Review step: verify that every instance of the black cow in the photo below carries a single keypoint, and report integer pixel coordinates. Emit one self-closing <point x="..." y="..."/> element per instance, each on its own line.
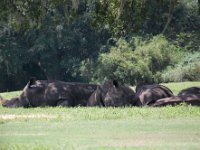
<point x="188" y="91"/>
<point x="148" y="94"/>
<point x="52" y="93"/>
<point x="111" y="93"/>
<point x="174" y="100"/>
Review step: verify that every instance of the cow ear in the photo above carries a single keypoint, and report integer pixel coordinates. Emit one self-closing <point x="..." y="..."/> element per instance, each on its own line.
<point x="115" y="83"/>
<point x="32" y="81"/>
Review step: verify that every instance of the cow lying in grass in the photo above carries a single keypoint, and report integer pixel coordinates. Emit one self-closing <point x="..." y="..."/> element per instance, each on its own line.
<point x="148" y="94"/>
<point x="189" y="91"/>
<point x="175" y="100"/>
<point x="111" y="93"/>
<point x="189" y="95"/>
<point x="116" y="95"/>
<point x="52" y="93"/>
<point x="38" y="93"/>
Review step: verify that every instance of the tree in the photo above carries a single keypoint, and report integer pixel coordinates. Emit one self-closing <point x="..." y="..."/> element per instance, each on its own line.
<point x="66" y="39"/>
<point x="199" y="6"/>
<point x="173" y="3"/>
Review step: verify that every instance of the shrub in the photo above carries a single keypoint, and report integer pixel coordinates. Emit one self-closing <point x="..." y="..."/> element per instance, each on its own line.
<point x="136" y="60"/>
<point x="158" y="53"/>
<point x="186" y="70"/>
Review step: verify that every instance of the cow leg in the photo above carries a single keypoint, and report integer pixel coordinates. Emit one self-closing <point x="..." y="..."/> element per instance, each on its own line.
<point x="174" y="100"/>
<point x="64" y="103"/>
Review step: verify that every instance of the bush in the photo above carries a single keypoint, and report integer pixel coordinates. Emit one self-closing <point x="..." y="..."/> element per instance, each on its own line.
<point x="136" y="60"/>
<point x="186" y="70"/>
<point x="158" y="53"/>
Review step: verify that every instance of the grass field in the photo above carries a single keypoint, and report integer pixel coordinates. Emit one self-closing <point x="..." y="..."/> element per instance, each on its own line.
<point x="101" y="128"/>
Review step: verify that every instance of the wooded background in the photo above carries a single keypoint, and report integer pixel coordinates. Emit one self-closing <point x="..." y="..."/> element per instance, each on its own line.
<point x="93" y="40"/>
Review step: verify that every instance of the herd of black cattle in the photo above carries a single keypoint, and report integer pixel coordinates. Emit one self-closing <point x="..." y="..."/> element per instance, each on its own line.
<point x="39" y="93"/>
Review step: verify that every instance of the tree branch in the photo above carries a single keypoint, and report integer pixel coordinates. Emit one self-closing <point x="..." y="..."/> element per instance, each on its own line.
<point x="171" y="9"/>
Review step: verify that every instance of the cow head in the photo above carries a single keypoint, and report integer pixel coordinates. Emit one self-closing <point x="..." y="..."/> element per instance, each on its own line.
<point x="33" y="91"/>
<point x="119" y="95"/>
<point x="111" y="93"/>
<point x="12" y="103"/>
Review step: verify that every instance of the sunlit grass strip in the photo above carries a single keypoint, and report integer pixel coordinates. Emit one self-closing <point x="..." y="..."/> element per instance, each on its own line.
<point x="30" y="116"/>
<point x="98" y="113"/>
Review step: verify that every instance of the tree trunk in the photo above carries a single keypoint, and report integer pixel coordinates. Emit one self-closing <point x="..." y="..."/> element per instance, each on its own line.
<point x="171" y="9"/>
<point x="199" y="6"/>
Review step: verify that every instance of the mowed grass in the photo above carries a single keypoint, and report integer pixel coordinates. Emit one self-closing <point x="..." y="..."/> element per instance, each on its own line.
<point x="96" y="128"/>
<point x="100" y="128"/>
<point x="177" y="87"/>
<point x="9" y="95"/>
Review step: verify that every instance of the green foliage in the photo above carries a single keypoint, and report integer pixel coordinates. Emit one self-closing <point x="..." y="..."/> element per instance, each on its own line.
<point x="52" y="50"/>
<point x="188" y="69"/>
<point x="137" y="60"/>
<point x="67" y="39"/>
<point x="157" y="53"/>
<point x="114" y="63"/>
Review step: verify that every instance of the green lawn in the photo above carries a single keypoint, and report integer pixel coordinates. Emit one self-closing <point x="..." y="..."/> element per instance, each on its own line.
<point x="101" y="128"/>
<point x="9" y="95"/>
<point x="176" y="87"/>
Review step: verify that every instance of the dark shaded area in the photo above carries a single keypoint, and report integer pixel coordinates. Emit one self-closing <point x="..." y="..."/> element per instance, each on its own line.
<point x="149" y="94"/>
<point x="190" y="99"/>
<point x="111" y="93"/>
<point x="189" y="91"/>
<point x="64" y="40"/>
<point x="40" y="93"/>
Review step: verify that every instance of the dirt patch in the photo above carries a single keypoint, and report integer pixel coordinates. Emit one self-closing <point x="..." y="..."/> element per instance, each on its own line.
<point x="29" y="116"/>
